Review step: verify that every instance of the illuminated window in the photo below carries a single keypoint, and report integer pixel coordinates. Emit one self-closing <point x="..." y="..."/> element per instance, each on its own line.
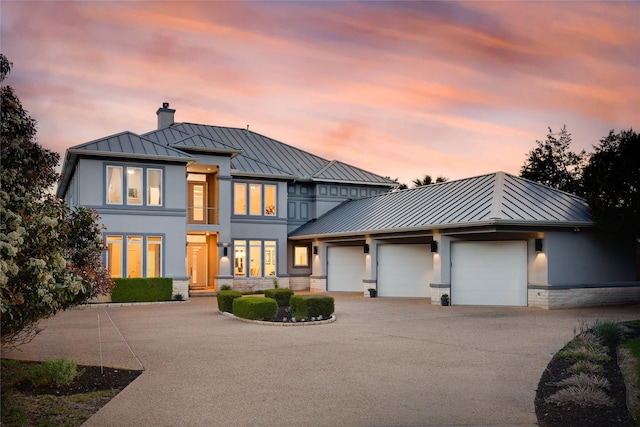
<point x="114" y="256"/>
<point x="301" y="256"/>
<point x="240" y="197"/>
<point x="261" y="260"/>
<point x="114" y="185"/>
<point x="154" y="251"/>
<point x="269" y="258"/>
<point x="154" y="187"/>
<point x="134" y="256"/>
<point x="240" y="257"/>
<point x="255" y="258"/>
<point x="134" y="186"/>
<point x="261" y="199"/>
<point x="255" y="199"/>
<point x="270" y="200"/>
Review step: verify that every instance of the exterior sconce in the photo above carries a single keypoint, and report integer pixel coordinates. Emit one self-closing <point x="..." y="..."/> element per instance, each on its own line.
<point x="225" y="251"/>
<point x="315" y="250"/>
<point x="538" y="245"/>
<point x="434" y="246"/>
<point x="366" y="248"/>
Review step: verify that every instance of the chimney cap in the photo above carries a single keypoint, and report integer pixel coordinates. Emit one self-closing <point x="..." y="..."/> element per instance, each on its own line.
<point x="165" y="105"/>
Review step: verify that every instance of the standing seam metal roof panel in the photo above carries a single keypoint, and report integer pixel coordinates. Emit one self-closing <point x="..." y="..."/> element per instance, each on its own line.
<point x="495" y="197"/>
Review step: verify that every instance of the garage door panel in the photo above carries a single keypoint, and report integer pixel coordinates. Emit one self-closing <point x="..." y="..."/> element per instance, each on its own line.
<point x="489" y="273"/>
<point x="345" y="268"/>
<point x="404" y="270"/>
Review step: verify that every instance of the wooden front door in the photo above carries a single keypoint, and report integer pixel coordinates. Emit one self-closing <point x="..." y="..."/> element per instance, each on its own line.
<point x="197" y="265"/>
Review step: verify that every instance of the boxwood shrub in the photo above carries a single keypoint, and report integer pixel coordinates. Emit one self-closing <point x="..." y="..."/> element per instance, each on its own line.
<point x="306" y="306"/>
<point x="255" y="308"/>
<point x="225" y="300"/>
<point x="281" y="295"/>
<point x="142" y="289"/>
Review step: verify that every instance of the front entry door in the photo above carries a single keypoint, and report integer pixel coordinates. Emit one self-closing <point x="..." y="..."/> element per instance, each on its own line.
<point x="197" y="265"/>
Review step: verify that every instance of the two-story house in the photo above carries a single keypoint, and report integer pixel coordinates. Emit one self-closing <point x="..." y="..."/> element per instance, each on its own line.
<point x="208" y="205"/>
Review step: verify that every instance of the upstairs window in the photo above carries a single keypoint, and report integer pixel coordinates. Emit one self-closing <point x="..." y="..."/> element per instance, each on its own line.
<point x="154" y="187"/>
<point x="255" y="199"/>
<point x="134" y="186"/>
<point x="114" y="185"/>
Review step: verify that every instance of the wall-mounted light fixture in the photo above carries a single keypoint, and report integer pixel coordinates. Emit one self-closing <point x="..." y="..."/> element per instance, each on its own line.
<point x="538" y="245"/>
<point x="434" y="246"/>
<point x="366" y="248"/>
<point x="315" y="250"/>
<point x="225" y="251"/>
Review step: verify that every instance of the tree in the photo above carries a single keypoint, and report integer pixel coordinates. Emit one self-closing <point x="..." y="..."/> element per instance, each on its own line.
<point x="427" y="180"/>
<point x="552" y="163"/>
<point x="611" y="182"/>
<point x="50" y="254"/>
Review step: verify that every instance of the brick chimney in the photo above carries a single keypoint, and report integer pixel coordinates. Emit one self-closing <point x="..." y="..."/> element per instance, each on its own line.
<point x="165" y="116"/>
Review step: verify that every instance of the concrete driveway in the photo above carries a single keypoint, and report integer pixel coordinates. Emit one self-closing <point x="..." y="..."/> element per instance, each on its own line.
<point x="384" y="362"/>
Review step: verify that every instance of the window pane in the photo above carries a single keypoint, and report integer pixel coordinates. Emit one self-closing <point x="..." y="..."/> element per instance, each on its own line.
<point x="240" y="197"/>
<point x="270" y="200"/>
<point x="255" y="199"/>
<point x="196" y="177"/>
<point x="114" y="184"/>
<point x="269" y="258"/>
<point x="198" y="202"/>
<point x="300" y="256"/>
<point x="154" y="187"/>
<point x="134" y="256"/>
<point x="134" y="186"/>
<point x="154" y="261"/>
<point x="240" y="248"/>
<point x="114" y="256"/>
<point x="255" y="257"/>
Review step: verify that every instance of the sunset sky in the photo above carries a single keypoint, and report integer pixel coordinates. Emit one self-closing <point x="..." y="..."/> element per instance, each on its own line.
<point x="398" y="88"/>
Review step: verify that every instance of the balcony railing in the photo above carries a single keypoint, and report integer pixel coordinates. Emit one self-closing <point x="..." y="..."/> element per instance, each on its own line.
<point x="200" y="215"/>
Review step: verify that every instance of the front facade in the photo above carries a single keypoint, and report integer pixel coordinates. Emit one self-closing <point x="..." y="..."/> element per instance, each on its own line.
<point x="211" y="206"/>
<point x="207" y="206"/>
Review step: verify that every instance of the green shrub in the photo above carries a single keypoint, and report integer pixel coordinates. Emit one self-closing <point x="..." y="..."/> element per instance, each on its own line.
<point x="142" y="289"/>
<point x="255" y="308"/>
<point x="225" y="300"/>
<point x="281" y="295"/>
<point x="225" y="288"/>
<point x="60" y="372"/>
<point x="307" y="306"/>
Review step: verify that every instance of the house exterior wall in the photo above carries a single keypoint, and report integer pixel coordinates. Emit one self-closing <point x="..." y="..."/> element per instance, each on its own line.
<point x="588" y="257"/>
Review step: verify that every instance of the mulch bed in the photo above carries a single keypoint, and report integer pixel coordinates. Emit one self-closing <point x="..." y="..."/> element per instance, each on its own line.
<point x="90" y="378"/>
<point x="554" y="415"/>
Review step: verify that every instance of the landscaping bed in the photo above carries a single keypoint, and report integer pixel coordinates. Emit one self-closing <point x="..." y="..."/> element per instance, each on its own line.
<point x="27" y="403"/>
<point x="558" y="402"/>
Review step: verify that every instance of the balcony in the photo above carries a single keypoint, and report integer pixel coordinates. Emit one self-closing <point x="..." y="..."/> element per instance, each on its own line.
<point x="202" y="215"/>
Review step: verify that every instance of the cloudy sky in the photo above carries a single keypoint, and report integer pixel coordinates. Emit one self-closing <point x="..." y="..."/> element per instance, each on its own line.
<point x="398" y="88"/>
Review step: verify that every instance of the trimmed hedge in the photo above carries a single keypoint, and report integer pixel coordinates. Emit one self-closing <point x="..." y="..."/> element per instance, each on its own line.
<point x="142" y="289"/>
<point x="306" y="306"/>
<point x="225" y="300"/>
<point x="255" y="308"/>
<point x="281" y="295"/>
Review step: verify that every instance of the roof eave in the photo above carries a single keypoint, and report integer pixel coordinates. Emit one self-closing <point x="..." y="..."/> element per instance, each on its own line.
<point x="239" y="173"/>
<point x="227" y="152"/>
<point x="95" y="153"/>
<point x="433" y="227"/>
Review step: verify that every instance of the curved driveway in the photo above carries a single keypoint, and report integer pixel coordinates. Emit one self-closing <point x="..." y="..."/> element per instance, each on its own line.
<point x="384" y="362"/>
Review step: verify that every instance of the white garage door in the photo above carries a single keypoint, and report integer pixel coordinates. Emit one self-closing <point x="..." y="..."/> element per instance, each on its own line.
<point x="345" y="268"/>
<point x="404" y="270"/>
<point x="489" y="273"/>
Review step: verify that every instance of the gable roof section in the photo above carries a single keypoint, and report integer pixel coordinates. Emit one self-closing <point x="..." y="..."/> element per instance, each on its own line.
<point x="493" y="199"/>
<point x="121" y="145"/>
<point x="264" y="156"/>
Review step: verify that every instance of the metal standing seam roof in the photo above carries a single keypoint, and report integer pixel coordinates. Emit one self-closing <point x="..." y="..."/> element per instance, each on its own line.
<point x="262" y="155"/>
<point x="497" y="198"/>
